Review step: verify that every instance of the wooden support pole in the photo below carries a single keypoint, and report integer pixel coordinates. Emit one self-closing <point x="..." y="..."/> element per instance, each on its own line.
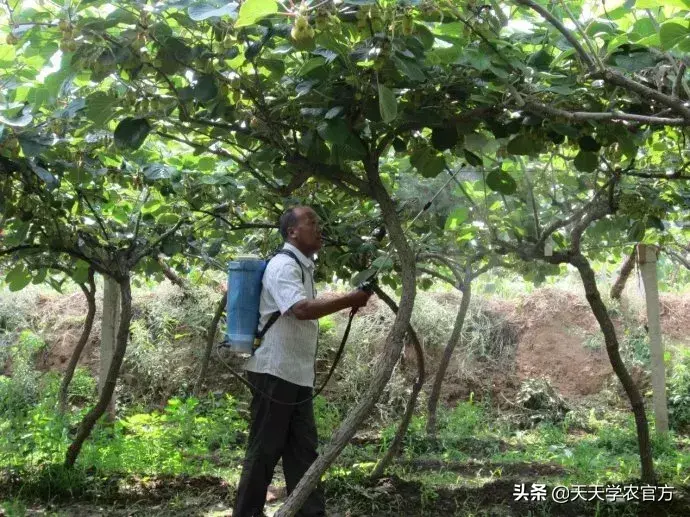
<point x="109" y="325"/>
<point x="647" y="258"/>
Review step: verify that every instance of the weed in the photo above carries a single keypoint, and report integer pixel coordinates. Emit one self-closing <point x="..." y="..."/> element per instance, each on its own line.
<point x="594" y="342"/>
<point x="161" y="361"/>
<point x="327" y="417"/>
<point x="20" y="390"/>
<point x="678" y="387"/>
<point x="13" y="508"/>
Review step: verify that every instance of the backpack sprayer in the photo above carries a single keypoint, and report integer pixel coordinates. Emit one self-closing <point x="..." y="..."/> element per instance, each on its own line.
<point x="245" y="276"/>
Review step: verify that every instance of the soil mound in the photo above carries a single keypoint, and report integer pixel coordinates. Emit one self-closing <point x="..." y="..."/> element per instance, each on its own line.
<point x="554" y="326"/>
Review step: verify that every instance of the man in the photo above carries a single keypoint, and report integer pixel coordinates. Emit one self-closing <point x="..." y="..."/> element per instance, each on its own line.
<point x="282" y="368"/>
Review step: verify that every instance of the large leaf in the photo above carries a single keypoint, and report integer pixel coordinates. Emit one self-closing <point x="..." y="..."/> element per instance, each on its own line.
<point x="42" y="173"/>
<point x="589" y="144"/>
<point x="637" y="231"/>
<point x="202" y="10"/>
<point x="20" y="121"/>
<point x="672" y="33"/>
<point x="18" y="278"/>
<point x="253" y="10"/>
<point x="521" y="145"/>
<point x="457" y="217"/>
<point x="586" y="161"/>
<point x="362" y="276"/>
<point x="409" y="69"/>
<point x="157" y="171"/>
<point x="206" y="89"/>
<point x="335" y="130"/>
<point x="382" y="263"/>
<point x="654" y="4"/>
<point x="388" y="105"/>
<point x="428" y="162"/>
<point x="501" y="181"/>
<point x="100" y="107"/>
<point x="130" y="133"/>
<point x="444" y="138"/>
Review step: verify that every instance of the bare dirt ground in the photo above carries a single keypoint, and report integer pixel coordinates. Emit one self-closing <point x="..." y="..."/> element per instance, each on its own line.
<point x="552" y="328"/>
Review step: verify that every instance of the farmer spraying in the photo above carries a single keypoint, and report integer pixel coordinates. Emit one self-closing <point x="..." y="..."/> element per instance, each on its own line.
<point x="281" y="370"/>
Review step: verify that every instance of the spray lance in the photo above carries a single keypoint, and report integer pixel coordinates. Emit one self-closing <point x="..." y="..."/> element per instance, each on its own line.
<point x="366" y="283"/>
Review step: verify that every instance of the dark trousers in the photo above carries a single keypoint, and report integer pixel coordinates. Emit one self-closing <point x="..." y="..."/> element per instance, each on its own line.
<point x="278" y="431"/>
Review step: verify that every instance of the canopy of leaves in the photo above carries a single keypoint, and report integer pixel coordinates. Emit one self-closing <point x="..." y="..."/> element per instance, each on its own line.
<point x="130" y="128"/>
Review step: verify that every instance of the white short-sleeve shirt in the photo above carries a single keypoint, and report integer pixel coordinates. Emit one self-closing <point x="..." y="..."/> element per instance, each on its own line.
<point x="288" y="349"/>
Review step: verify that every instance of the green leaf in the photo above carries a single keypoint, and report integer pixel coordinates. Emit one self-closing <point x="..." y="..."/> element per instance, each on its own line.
<point x="642" y="28"/>
<point x="671" y="34"/>
<point x="502" y="182"/>
<point x="654" y="222"/>
<point x="203" y="10"/>
<point x="388" y="105"/>
<point x="157" y="171"/>
<point x="18" y="278"/>
<point x="636" y="231"/>
<point x="521" y="145"/>
<point x="457" y="217"/>
<point x="40" y="276"/>
<point x="654" y="4"/>
<point x="428" y="162"/>
<point x="100" y="107"/>
<point x="382" y="263"/>
<point x="352" y="148"/>
<point x="130" y="133"/>
<point x="473" y="159"/>
<point x="424" y="35"/>
<point x="587" y="143"/>
<point x="335" y="130"/>
<point x="21" y="121"/>
<point x="167" y="218"/>
<point x="333" y="112"/>
<point x="586" y="161"/>
<point x="311" y="65"/>
<point x="444" y="138"/>
<point x="206" y="89"/>
<point x="150" y="206"/>
<point x="253" y="10"/>
<point x="80" y="274"/>
<point x="409" y="69"/>
<point x="362" y="276"/>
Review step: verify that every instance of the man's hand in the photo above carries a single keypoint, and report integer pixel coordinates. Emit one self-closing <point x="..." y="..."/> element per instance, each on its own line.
<point x="358" y="298"/>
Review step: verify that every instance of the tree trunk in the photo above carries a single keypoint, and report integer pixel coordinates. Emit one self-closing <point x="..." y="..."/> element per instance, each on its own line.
<point x="626" y="269"/>
<point x="612" y="349"/>
<point x="90" y="294"/>
<point x="432" y="404"/>
<point x="647" y="260"/>
<point x="90" y="419"/>
<point x="396" y="445"/>
<point x="210" y="338"/>
<point x="389" y="358"/>
<point x="109" y="326"/>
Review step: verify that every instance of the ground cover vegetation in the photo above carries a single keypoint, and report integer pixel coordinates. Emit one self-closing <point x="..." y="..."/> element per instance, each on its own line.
<point x="143" y="141"/>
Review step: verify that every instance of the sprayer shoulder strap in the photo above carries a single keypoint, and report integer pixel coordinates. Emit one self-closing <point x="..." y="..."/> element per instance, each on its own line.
<point x="274" y="316"/>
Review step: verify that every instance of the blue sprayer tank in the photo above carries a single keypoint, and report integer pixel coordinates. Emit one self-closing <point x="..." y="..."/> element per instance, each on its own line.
<point x="244" y="291"/>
